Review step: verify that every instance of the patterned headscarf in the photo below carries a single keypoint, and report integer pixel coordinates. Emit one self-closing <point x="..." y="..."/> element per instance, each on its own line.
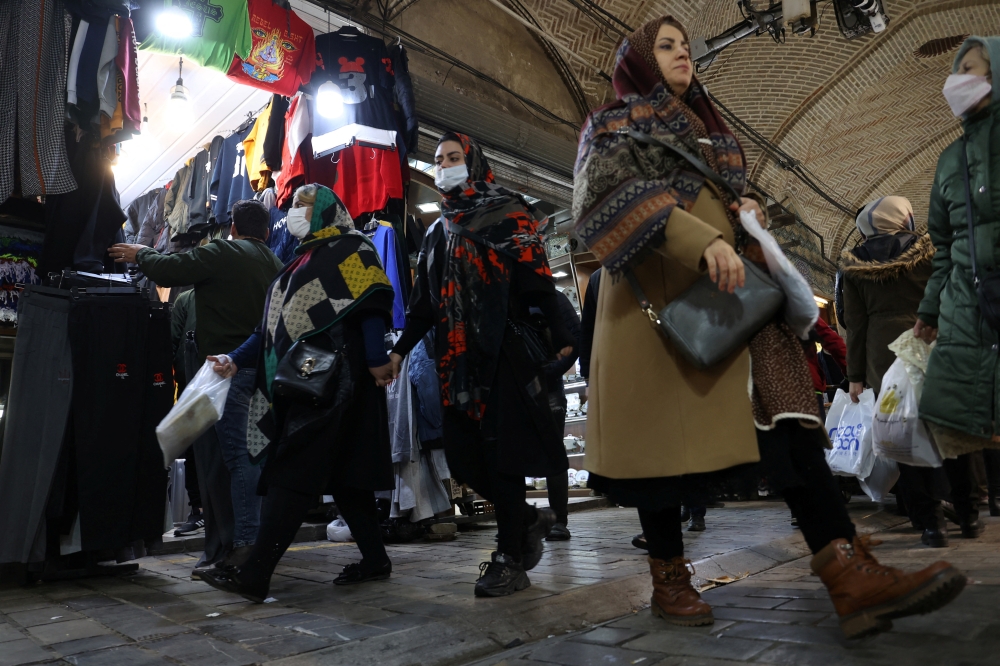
<point x="624" y="192"/>
<point x="889" y="215"/>
<point x="476" y="286"/>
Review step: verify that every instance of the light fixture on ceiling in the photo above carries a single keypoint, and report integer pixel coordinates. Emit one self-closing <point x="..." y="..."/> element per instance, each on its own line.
<point x="428" y="207"/>
<point x="820" y="301"/>
<point x="178" y="103"/>
<point x="174" y="23"/>
<point x="329" y="100"/>
<point x="560" y="274"/>
<point x="144" y="126"/>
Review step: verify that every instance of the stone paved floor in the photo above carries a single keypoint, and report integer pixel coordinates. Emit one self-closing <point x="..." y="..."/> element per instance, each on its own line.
<point x="426" y="613"/>
<point x="783" y="616"/>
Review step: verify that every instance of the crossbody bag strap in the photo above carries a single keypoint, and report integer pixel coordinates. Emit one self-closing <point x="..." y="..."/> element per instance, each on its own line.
<point x="968" y="209"/>
<point x="640" y="296"/>
<point x="700" y="166"/>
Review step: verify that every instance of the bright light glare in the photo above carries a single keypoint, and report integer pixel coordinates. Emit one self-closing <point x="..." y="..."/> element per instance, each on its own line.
<point x="428" y="207"/>
<point x="560" y="274"/>
<point x="329" y="100"/>
<point x="820" y="301"/>
<point x="174" y="23"/>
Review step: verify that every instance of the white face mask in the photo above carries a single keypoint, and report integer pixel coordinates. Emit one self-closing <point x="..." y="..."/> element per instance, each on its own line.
<point x="964" y="91"/>
<point x="299" y="221"/>
<point x="448" y="178"/>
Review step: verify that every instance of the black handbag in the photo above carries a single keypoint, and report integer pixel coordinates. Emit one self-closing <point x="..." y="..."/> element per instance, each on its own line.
<point x="308" y="373"/>
<point x="707" y="325"/>
<point x="988" y="286"/>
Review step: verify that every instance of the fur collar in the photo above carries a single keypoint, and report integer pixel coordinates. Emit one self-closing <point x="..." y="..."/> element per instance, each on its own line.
<point x="920" y="251"/>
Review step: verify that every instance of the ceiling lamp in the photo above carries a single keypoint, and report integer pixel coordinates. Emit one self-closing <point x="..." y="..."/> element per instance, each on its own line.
<point x="174" y="23"/>
<point x="428" y="207"/>
<point x="178" y="93"/>
<point x="329" y="100"/>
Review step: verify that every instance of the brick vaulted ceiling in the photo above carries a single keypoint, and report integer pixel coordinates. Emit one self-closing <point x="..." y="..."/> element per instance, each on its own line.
<point x="865" y="116"/>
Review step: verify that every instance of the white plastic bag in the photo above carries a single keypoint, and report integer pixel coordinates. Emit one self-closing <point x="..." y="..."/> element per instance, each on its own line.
<point x="339" y="531"/>
<point x="801" y="311"/>
<point x="849" y="426"/>
<point x="883" y="477"/>
<point x="197" y="410"/>
<point x="897" y="431"/>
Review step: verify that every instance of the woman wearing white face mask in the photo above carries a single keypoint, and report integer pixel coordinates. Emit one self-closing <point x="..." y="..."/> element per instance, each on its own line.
<point x="482" y="267"/>
<point x="331" y="304"/>
<point x="961" y="400"/>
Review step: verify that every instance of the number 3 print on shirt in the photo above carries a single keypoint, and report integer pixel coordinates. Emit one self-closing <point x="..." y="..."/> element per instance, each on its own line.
<point x="353" y="77"/>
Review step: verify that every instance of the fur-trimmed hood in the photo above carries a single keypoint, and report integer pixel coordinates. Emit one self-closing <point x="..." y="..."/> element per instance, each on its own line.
<point x="920" y="251"/>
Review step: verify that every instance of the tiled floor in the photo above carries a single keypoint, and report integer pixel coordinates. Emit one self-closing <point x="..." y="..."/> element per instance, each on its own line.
<point x="426" y="613"/>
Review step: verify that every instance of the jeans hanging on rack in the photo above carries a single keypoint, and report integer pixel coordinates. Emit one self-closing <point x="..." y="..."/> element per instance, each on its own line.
<point x="36" y="412"/>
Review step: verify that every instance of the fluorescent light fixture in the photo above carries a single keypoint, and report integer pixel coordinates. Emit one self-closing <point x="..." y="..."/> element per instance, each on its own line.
<point x="428" y="207"/>
<point x="820" y="301"/>
<point x="174" y="23"/>
<point x="531" y="200"/>
<point x="329" y="100"/>
<point x="560" y="274"/>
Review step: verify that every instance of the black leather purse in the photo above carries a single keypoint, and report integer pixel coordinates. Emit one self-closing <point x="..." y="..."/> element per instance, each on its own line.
<point x="308" y="373"/>
<point x="988" y="286"/>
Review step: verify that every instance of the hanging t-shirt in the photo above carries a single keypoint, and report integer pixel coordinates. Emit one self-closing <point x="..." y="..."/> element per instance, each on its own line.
<point x="128" y="65"/>
<point x="303" y="168"/>
<point x="361" y="66"/>
<point x="385" y="243"/>
<point x="231" y="166"/>
<point x="369" y="177"/>
<point x="221" y="29"/>
<point x="253" y="148"/>
<point x="283" y="55"/>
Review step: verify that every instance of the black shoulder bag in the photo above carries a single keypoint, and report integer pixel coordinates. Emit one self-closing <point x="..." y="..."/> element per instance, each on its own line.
<point x="704" y="324"/>
<point x="987" y="287"/>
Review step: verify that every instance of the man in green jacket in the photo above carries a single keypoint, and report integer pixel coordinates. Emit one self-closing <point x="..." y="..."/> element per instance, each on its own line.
<point x="230" y="279"/>
<point x="960" y="399"/>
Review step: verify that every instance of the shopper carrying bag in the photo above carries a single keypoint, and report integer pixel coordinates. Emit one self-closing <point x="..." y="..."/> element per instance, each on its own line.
<point x="661" y="427"/>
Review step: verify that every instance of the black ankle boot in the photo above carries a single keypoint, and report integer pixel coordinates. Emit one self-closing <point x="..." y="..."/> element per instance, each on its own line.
<point x="972" y="528"/>
<point x="228" y="580"/>
<point x="500" y="577"/>
<point x="532" y="546"/>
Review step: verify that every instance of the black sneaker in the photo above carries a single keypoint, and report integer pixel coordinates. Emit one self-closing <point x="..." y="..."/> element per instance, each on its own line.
<point x="639" y="541"/>
<point x="501" y="577"/>
<point x="195" y="524"/>
<point x="696" y="525"/>
<point x="532" y="546"/>
<point x="935" y="538"/>
<point x="559" y="532"/>
<point x="361" y="572"/>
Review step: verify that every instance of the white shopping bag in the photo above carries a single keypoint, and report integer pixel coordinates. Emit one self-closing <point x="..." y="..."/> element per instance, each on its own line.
<point x="849" y="426"/>
<point x="198" y="409"/>
<point x="801" y="311"/>
<point x="338" y="531"/>
<point x="897" y="431"/>
<point x="883" y="477"/>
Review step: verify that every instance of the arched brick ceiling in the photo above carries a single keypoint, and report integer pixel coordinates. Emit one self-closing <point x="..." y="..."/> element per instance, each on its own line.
<point x="865" y="116"/>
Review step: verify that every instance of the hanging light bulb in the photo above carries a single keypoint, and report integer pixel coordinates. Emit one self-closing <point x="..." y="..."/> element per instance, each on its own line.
<point x="329" y="100"/>
<point x="178" y="104"/>
<point x="144" y="126"/>
<point x="174" y="23"/>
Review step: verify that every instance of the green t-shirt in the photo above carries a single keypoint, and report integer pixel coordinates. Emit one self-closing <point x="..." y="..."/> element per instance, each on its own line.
<point x="220" y="29"/>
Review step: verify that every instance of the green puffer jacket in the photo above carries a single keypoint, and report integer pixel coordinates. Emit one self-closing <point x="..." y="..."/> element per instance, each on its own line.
<point x="963" y="374"/>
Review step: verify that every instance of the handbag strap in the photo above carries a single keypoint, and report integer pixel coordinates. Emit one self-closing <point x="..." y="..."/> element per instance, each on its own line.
<point x="640" y="296"/>
<point x="968" y="210"/>
<point x="700" y="166"/>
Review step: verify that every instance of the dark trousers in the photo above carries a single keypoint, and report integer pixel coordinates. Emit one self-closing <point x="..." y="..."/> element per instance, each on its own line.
<point x="815" y="502"/>
<point x="558" y="487"/>
<point x="216" y="497"/>
<point x="964" y="493"/>
<point x="473" y="461"/>
<point x="191" y="479"/>
<point x="922" y="488"/>
<point x="991" y="457"/>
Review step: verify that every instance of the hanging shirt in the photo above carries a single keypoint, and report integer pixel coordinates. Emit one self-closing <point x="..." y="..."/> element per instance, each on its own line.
<point x="275" y="135"/>
<point x="385" y="243"/>
<point x="74" y="61"/>
<point x="127" y="62"/>
<point x="369" y="177"/>
<point x="107" y="78"/>
<point x="283" y="54"/>
<point x="230" y="166"/>
<point x="253" y="148"/>
<point x="298" y="145"/>
<point x="221" y="30"/>
<point x="361" y="66"/>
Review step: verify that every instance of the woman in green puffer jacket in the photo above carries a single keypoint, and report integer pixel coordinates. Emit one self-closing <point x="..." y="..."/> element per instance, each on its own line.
<point x="960" y="400"/>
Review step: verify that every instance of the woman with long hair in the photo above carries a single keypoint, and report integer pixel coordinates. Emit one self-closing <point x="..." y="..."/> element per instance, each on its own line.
<point x="658" y="426"/>
<point x="481" y="272"/>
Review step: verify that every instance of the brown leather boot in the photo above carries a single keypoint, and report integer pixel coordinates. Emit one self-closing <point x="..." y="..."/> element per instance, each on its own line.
<point x="868" y="595"/>
<point x="674" y="599"/>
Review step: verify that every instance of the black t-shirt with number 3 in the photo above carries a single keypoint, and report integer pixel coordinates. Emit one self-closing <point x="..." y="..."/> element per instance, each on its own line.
<point x="361" y="66"/>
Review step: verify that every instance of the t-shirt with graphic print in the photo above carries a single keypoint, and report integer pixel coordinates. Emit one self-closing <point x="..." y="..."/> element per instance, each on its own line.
<point x="220" y="29"/>
<point x="283" y="55"/>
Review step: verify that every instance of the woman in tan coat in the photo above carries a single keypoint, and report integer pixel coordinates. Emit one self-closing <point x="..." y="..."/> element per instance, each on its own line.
<point x="658" y="426"/>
